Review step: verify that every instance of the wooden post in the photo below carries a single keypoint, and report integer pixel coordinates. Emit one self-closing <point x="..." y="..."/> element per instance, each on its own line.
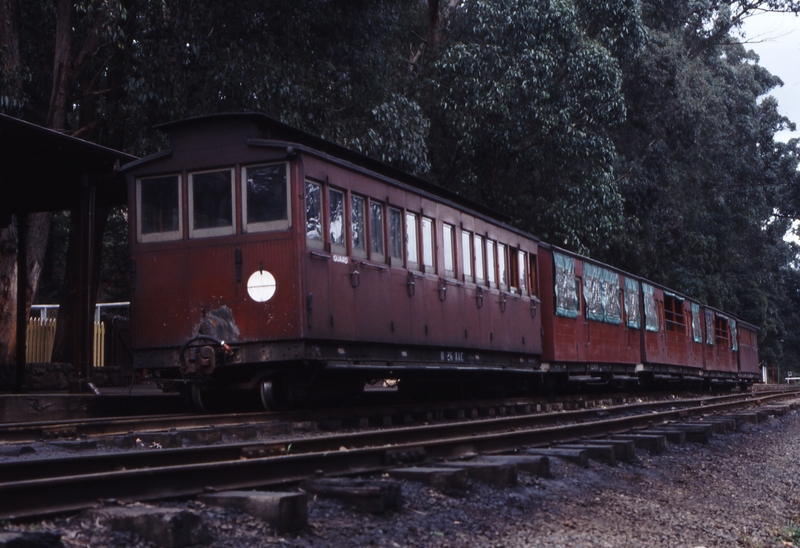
<point x="83" y="326"/>
<point x="22" y="299"/>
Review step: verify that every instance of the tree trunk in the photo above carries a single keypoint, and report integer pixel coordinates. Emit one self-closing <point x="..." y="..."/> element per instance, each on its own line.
<point x="39" y="227"/>
<point x="63" y="347"/>
<point x="62" y="67"/>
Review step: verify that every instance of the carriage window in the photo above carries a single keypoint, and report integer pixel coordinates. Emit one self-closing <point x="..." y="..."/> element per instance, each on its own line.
<point x="211" y="203"/>
<point x="159" y="211"/>
<point x="412" y="241"/>
<point x="479" y="276"/>
<point x="523" y="273"/>
<point x="673" y="314"/>
<point x="376" y="230"/>
<point x="358" y="226"/>
<point x="448" y="250"/>
<point x="532" y="276"/>
<point x="396" y="236"/>
<point x="721" y="331"/>
<point x="466" y="247"/>
<point x="502" y="266"/>
<point x="427" y="245"/>
<point x="265" y="198"/>
<point x="314" y="214"/>
<point x="513" y="270"/>
<point x="336" y="221"/>
<point x="490" y="272"/>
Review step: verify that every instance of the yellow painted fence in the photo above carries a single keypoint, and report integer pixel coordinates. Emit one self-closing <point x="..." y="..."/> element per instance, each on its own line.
<point x="42" y="333"/>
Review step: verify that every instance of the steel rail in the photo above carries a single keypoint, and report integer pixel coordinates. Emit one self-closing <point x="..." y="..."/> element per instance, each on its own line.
<point x="32" y="431"/>
<point x="365" y="453"/>
<point x="33" y="468"/>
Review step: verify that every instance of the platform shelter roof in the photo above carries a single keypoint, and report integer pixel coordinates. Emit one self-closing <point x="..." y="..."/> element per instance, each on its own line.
<point x="44" y="170"/>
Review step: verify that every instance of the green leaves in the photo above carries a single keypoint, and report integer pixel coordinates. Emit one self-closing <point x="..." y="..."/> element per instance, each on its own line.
<point x="525" y="98"/>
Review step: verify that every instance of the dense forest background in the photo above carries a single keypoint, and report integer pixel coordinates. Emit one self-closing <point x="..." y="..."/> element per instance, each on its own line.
<point x="639" y="132"/>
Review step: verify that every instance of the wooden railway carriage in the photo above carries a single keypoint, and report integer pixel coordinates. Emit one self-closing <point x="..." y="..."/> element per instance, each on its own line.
<point x="602" y="325"/>
<point x="591" y="333"/>
<point x="264" y="257"/>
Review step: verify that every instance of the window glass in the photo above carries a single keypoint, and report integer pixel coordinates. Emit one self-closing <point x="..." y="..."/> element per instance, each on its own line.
<point x="412" y="240"/>
<point x="502" y="266"/>
<point x="211" y="203"/>
<point x="376" y="229"/>
<point x="159" y="208"/>
<point x="358" y="226"/>
<point x="336" y="224"/>
<point x="266" y="202"/>
<point x="396" y="236"/>
<point x="466" y="247"/>
<point x="427" y="244"/>
<point x="490" y="273"/>
<point x="513" y="269"/>
<point x="479" y="277"/>
<point x="523" y="273"/>
<point x="534" y="287"/>
<point x="447" y="247"/>
<point x="314" y="212"/>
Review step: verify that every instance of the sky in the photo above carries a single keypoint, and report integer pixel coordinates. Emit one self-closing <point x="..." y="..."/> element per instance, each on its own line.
<point x="775" y="37"/>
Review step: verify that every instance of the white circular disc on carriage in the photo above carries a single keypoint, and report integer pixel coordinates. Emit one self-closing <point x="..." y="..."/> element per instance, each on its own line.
<point x="261" y="286"/>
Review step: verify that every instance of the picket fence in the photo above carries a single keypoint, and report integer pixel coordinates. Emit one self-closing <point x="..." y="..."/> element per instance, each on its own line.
<point x="42" y="333"/>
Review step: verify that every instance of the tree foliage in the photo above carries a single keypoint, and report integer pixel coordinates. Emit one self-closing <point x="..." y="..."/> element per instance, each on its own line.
<point x="638" y="131"/>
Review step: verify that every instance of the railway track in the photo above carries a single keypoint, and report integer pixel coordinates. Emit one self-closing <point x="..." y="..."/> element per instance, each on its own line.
<point x="44" y="486"/>
<point x="103" y="426"/>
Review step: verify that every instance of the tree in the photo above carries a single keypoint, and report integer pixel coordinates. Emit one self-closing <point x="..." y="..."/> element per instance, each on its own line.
<point x="524" y="96"/>
<point x="708" y="193"/>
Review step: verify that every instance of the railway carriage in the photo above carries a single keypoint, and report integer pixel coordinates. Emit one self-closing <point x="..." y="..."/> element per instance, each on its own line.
<point x="267" y="259"/>
<point x="591" y="328"/>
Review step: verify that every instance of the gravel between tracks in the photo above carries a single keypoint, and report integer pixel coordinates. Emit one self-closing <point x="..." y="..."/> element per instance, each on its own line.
<point x="740" y="490"/>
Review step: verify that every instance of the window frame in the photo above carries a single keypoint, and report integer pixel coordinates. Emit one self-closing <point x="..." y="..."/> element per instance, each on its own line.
<point x="337" y="249"/>
<point x="513" y="270"/>
<point x="674" y="316"/>
<point x="468" y="268"/>
<point x="315" y="243"/>
<point x="491" y="263"/>
<point x="395" y="260"/>
<point x="377" y="256"/>
<point x="215" y="231"/>
<point x="533" y="275"/>
<point x="449" y="249"/>
<point x="152" y="237"/>
<point x="428" y="248"/>
<point x="412" y="227"/>
<point x="721" y="333"/>
<point x="478" y="247"/>
<point x="522" y="272"/>
<point x="502" y="266"/>
<point x="359" y="252"/>
<point x="267" y="226"/>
